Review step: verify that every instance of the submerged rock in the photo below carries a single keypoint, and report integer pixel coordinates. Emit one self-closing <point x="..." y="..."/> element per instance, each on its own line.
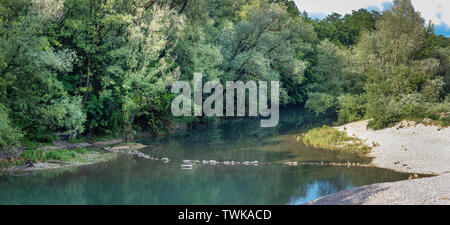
<point x="165" y="160"/>
<point x="140" y="154"/>
<point x="125" y="148"/>
<point x="117" y="148"/>
<point x="187" y="166"/>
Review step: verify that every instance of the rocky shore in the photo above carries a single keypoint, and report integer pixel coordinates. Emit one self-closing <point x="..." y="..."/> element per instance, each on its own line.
<point x="111" y="151"/>
<point x="406" y="147"/>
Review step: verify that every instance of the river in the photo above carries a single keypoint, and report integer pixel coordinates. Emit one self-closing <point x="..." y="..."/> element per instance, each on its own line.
<point x="130" y="180"/>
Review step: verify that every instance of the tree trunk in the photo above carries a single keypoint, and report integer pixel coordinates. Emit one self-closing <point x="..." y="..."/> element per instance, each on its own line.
<point x="183" y="7"/>
<point x="86" y="94"/>
<point x="80" y="81"/>
<point x="129" y="129"/>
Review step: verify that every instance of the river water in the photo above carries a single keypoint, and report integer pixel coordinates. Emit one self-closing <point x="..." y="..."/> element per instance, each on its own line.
<point x="131" y="180"/>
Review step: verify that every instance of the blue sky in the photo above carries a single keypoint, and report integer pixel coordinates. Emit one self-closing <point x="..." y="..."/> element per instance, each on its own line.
<point x="438" y="11"/>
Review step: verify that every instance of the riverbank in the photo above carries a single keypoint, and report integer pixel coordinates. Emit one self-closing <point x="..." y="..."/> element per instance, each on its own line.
<point x="68" y="155"/>
<point x="407" y="147"/>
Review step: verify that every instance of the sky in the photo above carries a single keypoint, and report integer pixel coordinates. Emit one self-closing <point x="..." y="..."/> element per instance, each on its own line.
<point x="438" y="11"/>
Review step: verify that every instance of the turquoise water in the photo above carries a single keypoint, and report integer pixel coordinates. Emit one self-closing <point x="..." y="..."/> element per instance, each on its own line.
<point x="130" y="180"/>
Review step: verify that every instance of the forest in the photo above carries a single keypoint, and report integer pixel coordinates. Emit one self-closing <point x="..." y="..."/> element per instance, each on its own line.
<point x="86" y="68"/>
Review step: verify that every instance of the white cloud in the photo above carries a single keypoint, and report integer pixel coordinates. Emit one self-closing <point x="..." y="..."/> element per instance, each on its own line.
<point x="435" y="10"/>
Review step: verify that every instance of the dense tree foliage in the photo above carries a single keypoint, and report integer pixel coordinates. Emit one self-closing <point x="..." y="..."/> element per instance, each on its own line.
<point x="396" y="70"/>
<point x="89" y="67"/>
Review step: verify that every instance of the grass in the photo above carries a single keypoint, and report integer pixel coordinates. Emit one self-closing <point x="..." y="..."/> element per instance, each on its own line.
<point x="12" y="162"/>
<point x="329" y="138"/>
<point x="57" y="155"/>
<point x="33" y="145"/>
<point x="33" y="153"/>
<point x="76" y="156"/>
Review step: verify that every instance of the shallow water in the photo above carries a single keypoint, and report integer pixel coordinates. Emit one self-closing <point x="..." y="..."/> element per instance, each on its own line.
<point x="130" y="180"/>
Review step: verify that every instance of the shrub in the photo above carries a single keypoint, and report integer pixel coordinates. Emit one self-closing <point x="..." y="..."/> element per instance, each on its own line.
<point x="442" y="107"/>
<point x="433" y="89"/>
<point x="33" y="155"/>
<point x="394" y="110"/>
<point x="321" y="102"/>
<point x="9" y="136"/>
<point x="351" y="108"/>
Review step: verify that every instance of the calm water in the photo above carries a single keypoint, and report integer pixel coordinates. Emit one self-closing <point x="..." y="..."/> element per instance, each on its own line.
<point x="130" y="180"/>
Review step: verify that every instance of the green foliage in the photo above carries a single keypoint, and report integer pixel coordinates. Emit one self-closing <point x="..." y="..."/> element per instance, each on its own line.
<point x="88" y="68"/>
<point x="28" y="66"/>
<point x="9" y="136"/>
<point x="69" y="115"/>
<point x="329" y="138"/>
<point x="351" y="108"/>
<point x="321" y="102"/>
<point x="63" y="155"/>
<point x="346" y="30"/>
<point x="399" y="83"/>
<point x="264" y="45"/>
<point x="393" y="98"/>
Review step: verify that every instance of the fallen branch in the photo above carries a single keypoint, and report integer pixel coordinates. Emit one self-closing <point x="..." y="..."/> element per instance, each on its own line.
<point x="58" y="162"/>
<point x="27" y="164"/>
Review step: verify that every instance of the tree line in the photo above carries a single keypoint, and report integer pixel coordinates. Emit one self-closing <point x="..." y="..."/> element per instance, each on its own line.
<point x="104" y="67"/>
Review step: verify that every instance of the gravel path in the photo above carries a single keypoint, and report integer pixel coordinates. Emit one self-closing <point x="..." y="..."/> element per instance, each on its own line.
<point x="406" y="147"/>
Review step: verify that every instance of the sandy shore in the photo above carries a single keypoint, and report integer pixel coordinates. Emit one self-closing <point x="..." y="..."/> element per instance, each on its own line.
<point x="406" y="147"/>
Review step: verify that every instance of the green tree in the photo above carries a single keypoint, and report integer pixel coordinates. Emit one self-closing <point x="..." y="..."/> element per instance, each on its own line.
<point x="29" y="66"/>
<point x="403" y="78"/>
<point x="9" y="136"/>
<point x="265" y="45"/>
<point x="152" y="36"/>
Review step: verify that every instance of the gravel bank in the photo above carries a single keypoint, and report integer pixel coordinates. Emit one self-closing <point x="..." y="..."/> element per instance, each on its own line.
<point x="409" y="148"/>
<point x="425" y="191"/>
<point x="406" y="147"/>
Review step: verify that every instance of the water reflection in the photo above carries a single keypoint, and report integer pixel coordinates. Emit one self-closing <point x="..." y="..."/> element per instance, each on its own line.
<point x="244" y="140"/>
<point x="136" y="181"/>
<point x="129" y="180"/>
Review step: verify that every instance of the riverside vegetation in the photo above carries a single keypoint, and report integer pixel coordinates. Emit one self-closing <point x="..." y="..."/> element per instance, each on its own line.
<point x="333" y="139"/>
<point x="88" y="68"/>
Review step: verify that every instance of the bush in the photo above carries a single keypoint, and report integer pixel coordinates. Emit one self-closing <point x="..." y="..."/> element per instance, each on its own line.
<point x="351" y="108"/>
<point x="410" y="106"/>
<point x="33" y="155"/>
<point x="433" y="89"/>
<point x="9" y="136"/>
<point x="321" y="102"/>
<point x="443" y="107"/>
